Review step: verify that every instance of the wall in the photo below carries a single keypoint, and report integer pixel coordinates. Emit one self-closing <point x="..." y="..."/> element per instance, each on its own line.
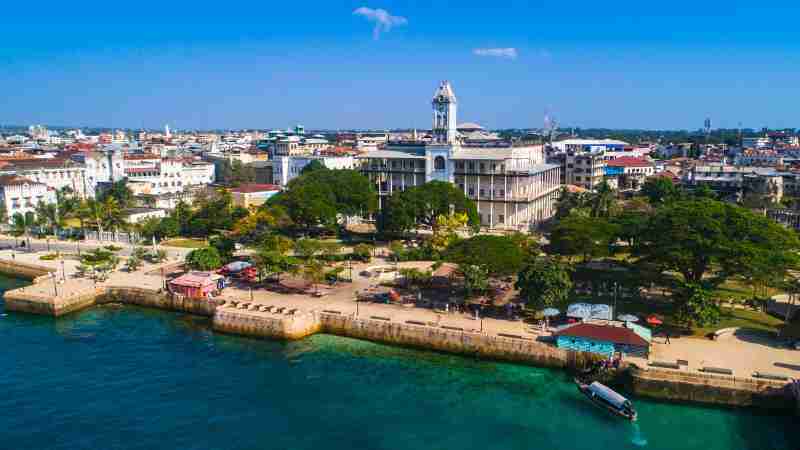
<point x="23" y="270"/>
<point x="676" y="385"/>
<point x="451" y="341"/>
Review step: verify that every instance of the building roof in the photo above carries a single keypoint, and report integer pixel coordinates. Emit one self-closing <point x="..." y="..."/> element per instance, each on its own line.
<point x="389" y="154"/>
<point x="14" y="180"/>
<point x="592" y="142"/>
<point x="251" y="188"/>
<point x="604" y="333"/>
<point x="196" y="279"/>
<point x="629" y="161"/>
<point x="469" y="126"/>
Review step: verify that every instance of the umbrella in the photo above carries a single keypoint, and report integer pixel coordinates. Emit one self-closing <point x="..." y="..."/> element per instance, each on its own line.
<point x="237" y="266"/>
<point x="550" y="312"/>
<point x="654" y="320"/>
<point x="628" y="318"/>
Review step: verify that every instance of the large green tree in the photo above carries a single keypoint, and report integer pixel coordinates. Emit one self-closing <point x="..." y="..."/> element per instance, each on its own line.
<point x="659" y="190"/>
<point x="421" y="205"/>
<point x="323" y="197"/>
<point x="581" y="235"/>
<point x="544" y="282"/>
<point x="500" y="255"/>
<point x="695" y="236"/>
<point x="207" y="258"/>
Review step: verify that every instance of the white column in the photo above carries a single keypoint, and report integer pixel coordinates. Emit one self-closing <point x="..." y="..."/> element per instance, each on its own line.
<point x="491" y="200"/>
<point x="505" y="199"/>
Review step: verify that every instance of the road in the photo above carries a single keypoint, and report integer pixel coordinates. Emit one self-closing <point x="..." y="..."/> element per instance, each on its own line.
<point x="42" y="245"/>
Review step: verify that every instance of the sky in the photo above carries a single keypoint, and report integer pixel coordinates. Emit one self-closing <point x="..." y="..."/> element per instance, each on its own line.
<point x="331" y="64"/>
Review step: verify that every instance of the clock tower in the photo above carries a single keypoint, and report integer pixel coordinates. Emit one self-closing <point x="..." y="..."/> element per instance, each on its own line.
<point x="444" y="115"/>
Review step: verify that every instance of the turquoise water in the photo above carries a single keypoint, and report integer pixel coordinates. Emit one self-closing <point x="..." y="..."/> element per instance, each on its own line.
<point x="129" y="378"/>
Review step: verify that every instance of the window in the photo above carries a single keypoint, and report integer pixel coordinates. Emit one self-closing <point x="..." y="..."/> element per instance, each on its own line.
<point x="471" y="166"/>
<point x="483" y="193"/>
<point x="471" y="191"/>
<point x="438" y="163"/>
<point x="501" y="219"/>
<point x="459" y="165"/>
<point x="483" y="167"/>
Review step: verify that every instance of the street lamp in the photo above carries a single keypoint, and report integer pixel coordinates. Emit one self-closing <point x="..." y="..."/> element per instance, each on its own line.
<point x="63" y="271"/>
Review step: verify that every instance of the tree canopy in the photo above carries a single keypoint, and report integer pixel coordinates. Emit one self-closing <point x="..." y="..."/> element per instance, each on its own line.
<point x="584" y="236"/>
<point x="421" y="205"/>
<point x="319" y="197"/>
<point x="207" y="258"/>
<point x="500" y="255"/>
<point x="544" y="282"/>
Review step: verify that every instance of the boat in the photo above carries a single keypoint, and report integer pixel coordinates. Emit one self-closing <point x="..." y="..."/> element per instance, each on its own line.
<point x="604" y="397"/>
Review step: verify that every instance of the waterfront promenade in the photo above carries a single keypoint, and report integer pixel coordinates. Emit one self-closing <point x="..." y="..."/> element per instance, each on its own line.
<point x="742" y="353"/>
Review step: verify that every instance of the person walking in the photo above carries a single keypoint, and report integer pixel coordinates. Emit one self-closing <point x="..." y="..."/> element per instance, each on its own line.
<point x="667" y="337"/>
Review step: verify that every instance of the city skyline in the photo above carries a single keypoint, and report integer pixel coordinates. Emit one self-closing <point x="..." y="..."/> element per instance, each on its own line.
<point x="355" y="65"/>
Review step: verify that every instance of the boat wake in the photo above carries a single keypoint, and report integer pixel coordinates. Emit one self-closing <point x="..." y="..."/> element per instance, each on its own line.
<point x="638" y="438"/>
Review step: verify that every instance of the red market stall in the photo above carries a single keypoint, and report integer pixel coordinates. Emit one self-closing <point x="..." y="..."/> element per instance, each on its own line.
<point x="197" y="284"/>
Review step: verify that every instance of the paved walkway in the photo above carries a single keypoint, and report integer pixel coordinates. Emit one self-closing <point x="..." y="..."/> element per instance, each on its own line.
<point x="742" y="352"/>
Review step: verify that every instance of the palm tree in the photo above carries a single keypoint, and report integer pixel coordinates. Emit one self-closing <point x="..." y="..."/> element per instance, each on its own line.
<point x="602" y="201"/>
<point x="22" y="225"/>
<point x="47" y="215"/>
<point x="112" y="213"/>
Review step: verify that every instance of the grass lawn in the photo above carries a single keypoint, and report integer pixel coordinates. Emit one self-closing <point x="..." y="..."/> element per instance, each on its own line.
<point x="738" y="290"/>
<point x="730" y="317"/>
<point x="186" y="243"/>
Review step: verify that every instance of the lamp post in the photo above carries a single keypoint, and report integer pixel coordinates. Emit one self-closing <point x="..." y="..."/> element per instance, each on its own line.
<point x="615" y="301"/>
<point x="63" y="271"/>
<point x="55" y="285"/>
<point x="48" y="245"/>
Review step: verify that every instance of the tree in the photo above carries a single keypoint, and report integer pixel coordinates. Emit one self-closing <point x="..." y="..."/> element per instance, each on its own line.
<point x="569" y="201"/>
<point x="47" y="216"/>
<point x="659" y="190"/>
<point x="272" y="256"/>
<point x="691" y="236"/>
<point x="421" y="205"/>
<point x="313" y="272"/>
<point x="21" y="225"/>
<point x="476" y="278"/>
<point x="120" y="192"/>
<point x="499" y="255"/>
<point x="312" y="166"/>
<point x="603" y="201"/>
<point x="544" y="282"/>
<point x="696" y="307"/>
<point x="321" y="197"/>
<point x="207" y="258"/>
<point x="225" y="247"/>
<point x="445" y="230"/>
<point x="578" y="235"/>
<point x="363" y="252"/>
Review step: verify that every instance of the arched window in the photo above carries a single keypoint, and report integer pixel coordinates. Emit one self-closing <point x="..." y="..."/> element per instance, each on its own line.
<point x="438" y="163"/>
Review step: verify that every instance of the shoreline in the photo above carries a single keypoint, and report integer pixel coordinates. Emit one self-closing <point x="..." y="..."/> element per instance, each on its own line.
<point x="251" y="319"/>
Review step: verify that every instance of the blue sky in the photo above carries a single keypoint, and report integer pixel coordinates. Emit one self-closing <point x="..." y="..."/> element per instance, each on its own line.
<point x="322" y="63"/>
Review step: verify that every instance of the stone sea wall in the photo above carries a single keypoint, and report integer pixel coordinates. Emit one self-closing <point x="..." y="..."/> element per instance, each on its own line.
<point x="24" y="270"/>
<point x="526" y="351"/>
<point x="676" y="385"/>
<point x="265" y="325"/>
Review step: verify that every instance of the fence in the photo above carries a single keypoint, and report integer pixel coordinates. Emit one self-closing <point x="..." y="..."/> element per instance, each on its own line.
<point x="111" y="236"/>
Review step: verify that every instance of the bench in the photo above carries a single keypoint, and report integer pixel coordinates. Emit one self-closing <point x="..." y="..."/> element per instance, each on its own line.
<point x="683" y="362"/>
<point x="330" y="311"/>
<point x="280" y="310"/>
<point x="291" y="311"/>
<point x="717" y="370"/>
<point x="664" y="364"/>
<point x="380" y="318"/>
<point x="719" y="333"/>
<point x="513" y="336"/>
<point x="416" y="322"/>
<point x="770" y="376"/>
<point x="447" y="327"/>
<point x="244" y="306"/>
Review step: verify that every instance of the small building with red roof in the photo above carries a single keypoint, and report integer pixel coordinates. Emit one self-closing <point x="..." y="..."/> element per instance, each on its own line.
<point x="604" y="339"/>
<point x="252" y="194"/>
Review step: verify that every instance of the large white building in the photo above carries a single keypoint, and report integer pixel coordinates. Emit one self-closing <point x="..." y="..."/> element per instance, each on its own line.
<point x="153" y="175"/>
<point x="20" y="195"/>
<point x="511" y="185"/>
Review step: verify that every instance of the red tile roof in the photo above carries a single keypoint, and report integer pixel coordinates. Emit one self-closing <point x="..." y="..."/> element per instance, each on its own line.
<point x="629" y="161"/>
<point x="250" y="188"/>
<point x="604" y="333"/>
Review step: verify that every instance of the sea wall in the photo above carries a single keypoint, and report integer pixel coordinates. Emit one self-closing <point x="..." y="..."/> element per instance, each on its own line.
<point x="24" y="270"/>
<point x="677" y="385"/>
<point x="526" y="351"/>
<point x="26" y="300"/>
<point x="157" y="299"/>
<point x="265" y="325"/>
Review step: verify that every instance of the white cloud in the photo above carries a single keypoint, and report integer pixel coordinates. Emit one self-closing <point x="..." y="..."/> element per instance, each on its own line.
<point x="509" y="53"/>
<point x="383" y="21"/>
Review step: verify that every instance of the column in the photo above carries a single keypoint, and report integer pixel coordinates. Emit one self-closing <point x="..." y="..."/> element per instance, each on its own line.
<point x="491" y="200"/>
<point x="505" y="200"/>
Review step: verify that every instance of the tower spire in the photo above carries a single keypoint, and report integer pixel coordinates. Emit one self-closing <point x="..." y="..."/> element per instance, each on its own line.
<point x="444" y="114"/>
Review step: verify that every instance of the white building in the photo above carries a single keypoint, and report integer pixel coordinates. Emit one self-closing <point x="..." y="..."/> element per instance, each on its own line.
<point x="21" y="195"/>
<point x="511" y="186"/>
<point x="153" y="175"/>
<point x="286" y="168"/>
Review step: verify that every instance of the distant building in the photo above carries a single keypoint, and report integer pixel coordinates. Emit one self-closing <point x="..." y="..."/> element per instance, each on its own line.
<point x="248" y="195"/>
<point x="589" y="145"/>
<point x="137" y="215"/>
<point x="586" y="169"/>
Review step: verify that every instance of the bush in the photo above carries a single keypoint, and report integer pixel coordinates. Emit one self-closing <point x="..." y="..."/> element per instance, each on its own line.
<point x="363" y="252"/>
<point x="50" y="256"/>
<point x="112" y="248"/>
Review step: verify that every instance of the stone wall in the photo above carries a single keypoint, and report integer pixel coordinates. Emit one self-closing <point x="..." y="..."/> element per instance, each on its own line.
<point x="451" y="341"/>
<point x="24" y="270"/>
<point x="677" y="385"/>
<point x="24" y="300"/>
<point x="158" y="299"/>
<point x="265" y="325"/>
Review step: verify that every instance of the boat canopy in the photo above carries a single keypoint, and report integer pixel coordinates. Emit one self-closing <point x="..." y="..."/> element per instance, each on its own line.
<point x="608" y="395"/>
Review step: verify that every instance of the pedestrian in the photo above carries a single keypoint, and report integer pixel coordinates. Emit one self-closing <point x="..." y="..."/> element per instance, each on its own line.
<point x="668" y="337"/>
<point x="438" y="318"/>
